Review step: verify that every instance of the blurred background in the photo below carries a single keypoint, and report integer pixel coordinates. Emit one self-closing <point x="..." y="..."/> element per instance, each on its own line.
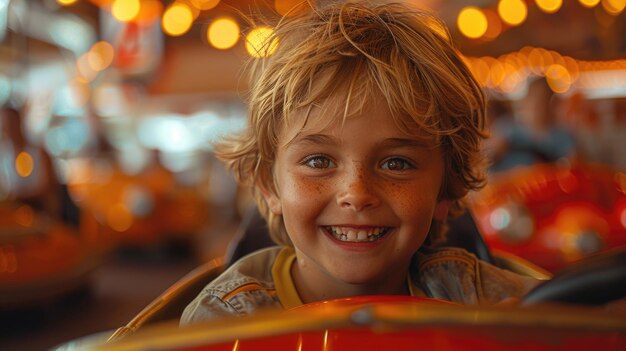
<point x="109" y="191"/>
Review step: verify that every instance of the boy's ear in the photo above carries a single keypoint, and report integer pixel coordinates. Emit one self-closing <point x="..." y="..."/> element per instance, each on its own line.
<point x="271" y="199"/>
<point x="441" y="210"/>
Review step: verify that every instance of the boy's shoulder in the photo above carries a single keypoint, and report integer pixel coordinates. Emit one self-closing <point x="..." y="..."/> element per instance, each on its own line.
<point x="243" y="288"/>
<point x="254" y="269"/>
<point x="455" y="274"/>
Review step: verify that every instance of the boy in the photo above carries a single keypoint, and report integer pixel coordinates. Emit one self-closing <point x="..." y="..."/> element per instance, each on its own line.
<point x="365" y="130"/>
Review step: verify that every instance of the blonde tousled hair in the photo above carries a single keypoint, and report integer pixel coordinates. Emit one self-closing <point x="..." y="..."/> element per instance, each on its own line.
<point x="358" y="49"/>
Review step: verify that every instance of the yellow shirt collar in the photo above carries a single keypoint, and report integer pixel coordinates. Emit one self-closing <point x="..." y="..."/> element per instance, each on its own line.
<point x="286" y="289"/>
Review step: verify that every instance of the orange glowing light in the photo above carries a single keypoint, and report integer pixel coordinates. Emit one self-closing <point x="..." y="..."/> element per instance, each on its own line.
<point x="572" y="67"/>
<point x="547" y="59"/>
<point x="535" y="60"/>
<point x="177" y="19"/>
<point x="549" y="6"/>
<point x="150" y="11"/>
<point x="472" y="22"/>
<point x="258" y="42"/>
<point x="100" y="56"/>
<point x="490" y="62"/>
<point x="512" y="12"/>
<point x="125" y="10"/>
<point x="558" y="78"/>
<point x="223" y="33"/>
<point x="614" y="7"/>
<point x="511" y="79"/>
<point x="496" y="73"/>
<point x="24" y="164"/>
<point x="25" y="216"/>
<point x="119" y="218"/>
<point x="204" y="4"/>
<point x="589" y="3"/>
<point x="84" y="69"/>
<point x="480" y="69"/>
<point x="66" y="2"/>
<point x="494" y="25"/>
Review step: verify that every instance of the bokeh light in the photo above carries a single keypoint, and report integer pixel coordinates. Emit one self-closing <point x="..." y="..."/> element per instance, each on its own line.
<point x="257" y="42"/>
<point x="125" y="10"/>
<point x="589" y="3"/>
<point x="496" y="73"/>
<point x="614" y="7"/>
<point x="150" y="11"/>
<point x="494" y="25"/>
<point x="119" y="218"/>
<point x="549" y="6"/>
<point x="100" y="56"/>
<point x="512" y="12"/>
<point x="558" y="78"/>
<point x="223" y="33"/>
<point x="480" y="69"/>
<point x="84" y="69"/>
<point x="177" y="19"/>
<point x="204" y="4"/>
<point x="472" y="22"/>
<point x="66" y="2"/>
<point x="25" y="216"/>
<point x="24" y="164"/>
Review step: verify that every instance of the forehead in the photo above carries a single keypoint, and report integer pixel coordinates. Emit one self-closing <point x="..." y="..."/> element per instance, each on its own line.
<point x="329" y="116"/>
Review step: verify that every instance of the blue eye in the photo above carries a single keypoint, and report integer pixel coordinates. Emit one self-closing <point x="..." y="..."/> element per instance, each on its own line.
<point x="396" y="164"/>
<point x="321" y="162"/>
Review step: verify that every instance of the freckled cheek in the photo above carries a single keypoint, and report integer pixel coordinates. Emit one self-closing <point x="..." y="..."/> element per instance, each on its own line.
<point x="410" y="200"/>
<point x="304" y="194"/>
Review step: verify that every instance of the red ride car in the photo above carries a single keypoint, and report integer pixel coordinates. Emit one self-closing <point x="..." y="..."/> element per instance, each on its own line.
<point x="552" y="214"/>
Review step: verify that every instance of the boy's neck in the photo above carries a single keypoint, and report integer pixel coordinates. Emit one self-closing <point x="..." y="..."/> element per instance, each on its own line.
<point x="313" y="286"/>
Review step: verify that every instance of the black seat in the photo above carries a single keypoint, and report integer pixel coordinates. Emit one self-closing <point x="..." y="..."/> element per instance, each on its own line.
<point x="252" y="235"/>
<point x="596" y="280"/>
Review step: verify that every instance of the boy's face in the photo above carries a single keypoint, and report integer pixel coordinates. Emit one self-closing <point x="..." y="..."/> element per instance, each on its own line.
<point x="357" y="200"/>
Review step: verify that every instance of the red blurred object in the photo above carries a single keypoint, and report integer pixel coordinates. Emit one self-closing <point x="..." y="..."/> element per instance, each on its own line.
<point x="394" y="323"/>
<point x="41" y="259"/>
<point x="553" y="215"/>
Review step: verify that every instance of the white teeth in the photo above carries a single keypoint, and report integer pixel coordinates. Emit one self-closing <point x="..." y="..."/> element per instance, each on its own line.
<point x="353" y="235"/>
<point x="361" y="235"/>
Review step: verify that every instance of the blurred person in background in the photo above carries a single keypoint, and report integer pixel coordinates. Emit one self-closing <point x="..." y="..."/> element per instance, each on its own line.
<point x="27" y="174"/>
<point x="536" y="136"/>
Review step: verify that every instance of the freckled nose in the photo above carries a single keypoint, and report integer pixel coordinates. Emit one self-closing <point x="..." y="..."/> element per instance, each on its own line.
<point x="357" y="192"/>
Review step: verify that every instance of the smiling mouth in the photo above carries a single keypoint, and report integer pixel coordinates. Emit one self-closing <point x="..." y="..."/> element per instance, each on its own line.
<point x="357" y="235"/>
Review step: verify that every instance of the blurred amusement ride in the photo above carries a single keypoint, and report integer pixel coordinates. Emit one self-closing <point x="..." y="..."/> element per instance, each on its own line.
<point x="109" y="109"/>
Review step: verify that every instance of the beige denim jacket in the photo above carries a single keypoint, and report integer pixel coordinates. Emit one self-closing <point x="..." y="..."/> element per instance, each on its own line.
<point x="448" y="273"/>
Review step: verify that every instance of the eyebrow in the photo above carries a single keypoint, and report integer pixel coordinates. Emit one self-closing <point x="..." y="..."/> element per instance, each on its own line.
<point x="315" y="139"/>
<point x="404" y="143"/>
<point x="324" y="139"/>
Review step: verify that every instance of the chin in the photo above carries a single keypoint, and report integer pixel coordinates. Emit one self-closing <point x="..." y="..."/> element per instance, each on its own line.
<point x="360" y="278"/>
